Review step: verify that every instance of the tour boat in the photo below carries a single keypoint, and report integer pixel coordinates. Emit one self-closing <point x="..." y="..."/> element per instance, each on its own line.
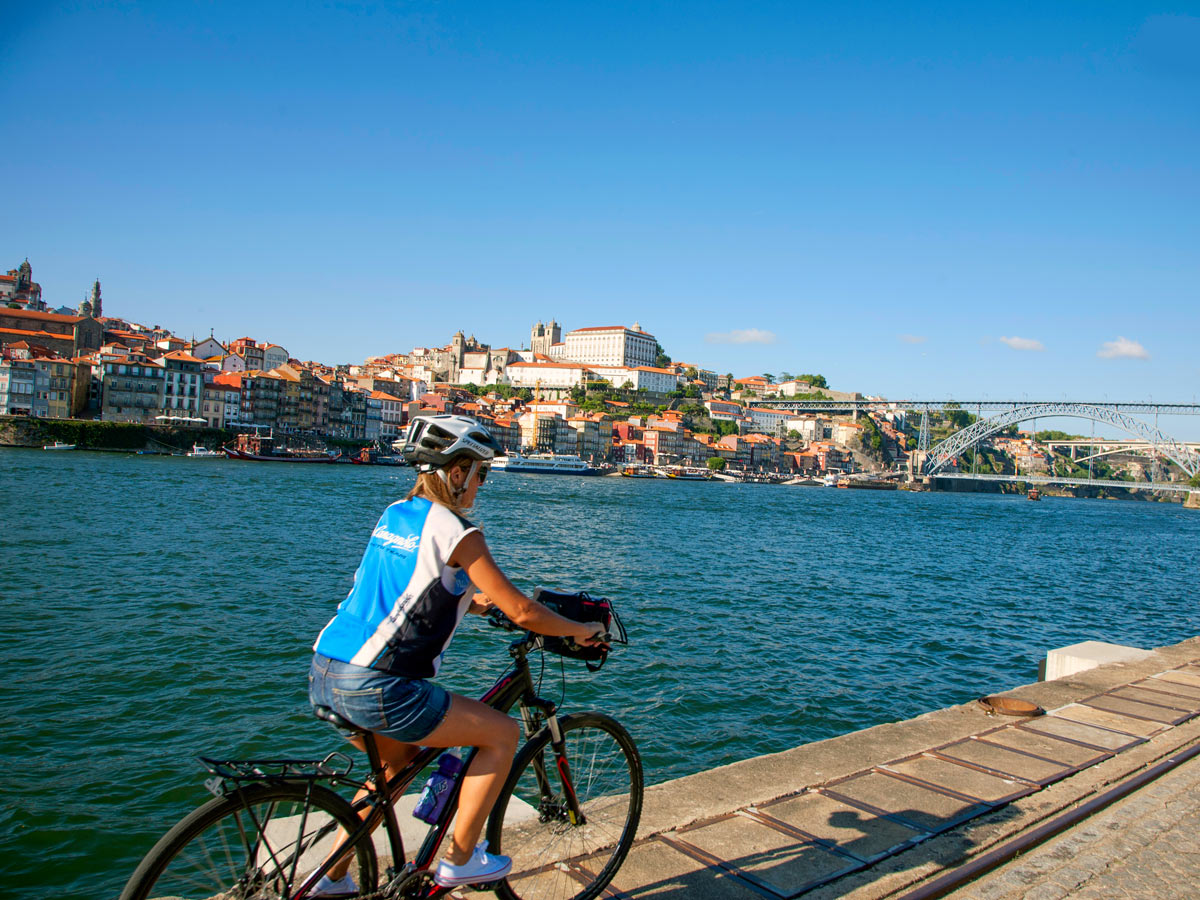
<point x="543" y="464"/>
<point x="199" y="451"/>
<point x="58" y="445"/>
<point x="637" y="472"/>
<point x="261" y="448"/>
<point x="686" y="473"/>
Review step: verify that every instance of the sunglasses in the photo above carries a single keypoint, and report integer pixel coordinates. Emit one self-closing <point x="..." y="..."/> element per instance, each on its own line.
<point x="482" y="473"/>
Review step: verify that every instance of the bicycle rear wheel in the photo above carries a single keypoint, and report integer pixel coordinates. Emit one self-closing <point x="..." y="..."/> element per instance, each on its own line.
<point x="259" y="843"/>
<point x="556" y="857"/>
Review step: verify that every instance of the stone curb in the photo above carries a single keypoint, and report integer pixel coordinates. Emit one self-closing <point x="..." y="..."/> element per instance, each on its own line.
<point x="709" y="796"/>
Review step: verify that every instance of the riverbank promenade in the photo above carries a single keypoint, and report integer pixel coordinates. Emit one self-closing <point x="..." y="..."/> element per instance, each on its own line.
<point x="908" y="809"/>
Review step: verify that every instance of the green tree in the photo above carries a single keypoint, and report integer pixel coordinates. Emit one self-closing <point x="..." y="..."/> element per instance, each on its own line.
<point x="716" y="463"/>
<point x="1194" y="481"/>
<point x="660" y="356"/>
<point x="817" y="381"/>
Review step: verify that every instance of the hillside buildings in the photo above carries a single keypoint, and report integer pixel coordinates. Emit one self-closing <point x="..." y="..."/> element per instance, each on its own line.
<point x="567" y="392"/>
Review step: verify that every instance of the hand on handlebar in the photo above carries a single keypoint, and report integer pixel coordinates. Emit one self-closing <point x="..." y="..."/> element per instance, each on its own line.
<point x="591" y="634"/>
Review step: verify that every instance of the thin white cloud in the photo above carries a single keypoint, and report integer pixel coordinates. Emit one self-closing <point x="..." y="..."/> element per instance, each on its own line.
<point x="913" y="338"/>
<point x="1020" y="343"/>
<point x="741" y="336"/>
<point x="1122" y="348"/>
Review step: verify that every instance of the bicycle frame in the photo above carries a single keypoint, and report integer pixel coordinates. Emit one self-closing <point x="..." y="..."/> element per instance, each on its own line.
<point x="515" y="687"/>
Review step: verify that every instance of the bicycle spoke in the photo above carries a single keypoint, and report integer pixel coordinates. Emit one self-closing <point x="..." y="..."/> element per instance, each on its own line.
<point x="555" y="855"/>
<point x="259" y="844"/>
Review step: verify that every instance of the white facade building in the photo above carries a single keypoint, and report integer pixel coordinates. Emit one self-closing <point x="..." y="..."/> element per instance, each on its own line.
<point x="546" y="375"/>
<point x="610" y="346"/>
<point x="647" y="378"/>
<point x="810" y="428"/>
<point x="274" y="356"/>
<point x="766" y="420"/>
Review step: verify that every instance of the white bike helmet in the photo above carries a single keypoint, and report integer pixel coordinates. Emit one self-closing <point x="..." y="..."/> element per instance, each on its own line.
<point x="434" y="442"/>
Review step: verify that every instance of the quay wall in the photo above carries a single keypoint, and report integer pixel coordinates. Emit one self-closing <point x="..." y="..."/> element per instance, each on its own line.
<point x="26" y="431"/>
<point x="964" y="486"/>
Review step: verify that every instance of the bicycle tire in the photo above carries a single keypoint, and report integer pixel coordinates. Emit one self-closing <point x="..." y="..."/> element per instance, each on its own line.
<point x="553" y="858"/>
<point x="214" y="851"/>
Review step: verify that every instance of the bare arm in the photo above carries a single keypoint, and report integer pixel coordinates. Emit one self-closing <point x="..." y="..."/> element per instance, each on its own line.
<point x="472" y="555"/>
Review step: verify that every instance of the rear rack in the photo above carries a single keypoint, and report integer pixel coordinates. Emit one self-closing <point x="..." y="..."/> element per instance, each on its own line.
<point x="334" y="766"/>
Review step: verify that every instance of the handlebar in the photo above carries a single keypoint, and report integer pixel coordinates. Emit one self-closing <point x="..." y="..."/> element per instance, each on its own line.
<point x="498" y="619"/>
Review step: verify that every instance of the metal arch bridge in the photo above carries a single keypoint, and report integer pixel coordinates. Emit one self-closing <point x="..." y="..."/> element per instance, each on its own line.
<point x="941" y="454"/>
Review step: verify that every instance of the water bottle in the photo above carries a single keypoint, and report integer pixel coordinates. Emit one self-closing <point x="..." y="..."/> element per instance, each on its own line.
<point x="437" y="789"/>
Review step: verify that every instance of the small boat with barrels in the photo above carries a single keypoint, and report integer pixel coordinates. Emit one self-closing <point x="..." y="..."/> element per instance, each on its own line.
<point x="262" y="448"/>
<point x="1033" y="494"/>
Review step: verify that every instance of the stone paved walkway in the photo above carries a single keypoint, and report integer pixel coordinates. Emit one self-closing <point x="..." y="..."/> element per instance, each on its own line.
<point x="1146" y="846"/>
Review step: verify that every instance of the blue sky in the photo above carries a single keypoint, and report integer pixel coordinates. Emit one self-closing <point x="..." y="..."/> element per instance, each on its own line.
<point x="967" y="200"/>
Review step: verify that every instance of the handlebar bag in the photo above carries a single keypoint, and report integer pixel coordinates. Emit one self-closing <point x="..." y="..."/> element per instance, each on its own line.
<point x="581" y="607"/>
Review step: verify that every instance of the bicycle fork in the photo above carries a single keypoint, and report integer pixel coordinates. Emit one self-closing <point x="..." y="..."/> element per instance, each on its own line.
<point x="558" y="747"/>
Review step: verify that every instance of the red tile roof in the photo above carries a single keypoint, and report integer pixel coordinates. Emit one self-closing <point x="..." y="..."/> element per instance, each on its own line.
<point x="42" y="316"/>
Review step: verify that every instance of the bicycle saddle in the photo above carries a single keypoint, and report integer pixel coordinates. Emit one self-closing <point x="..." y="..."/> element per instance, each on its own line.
<point x="328" y="715"/>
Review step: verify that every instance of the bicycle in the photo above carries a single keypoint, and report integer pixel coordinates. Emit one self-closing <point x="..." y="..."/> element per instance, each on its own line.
<point x="567" y="813"/>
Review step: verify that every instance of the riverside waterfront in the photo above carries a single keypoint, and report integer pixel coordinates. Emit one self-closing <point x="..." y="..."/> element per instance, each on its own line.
<point x="160" y="608"/>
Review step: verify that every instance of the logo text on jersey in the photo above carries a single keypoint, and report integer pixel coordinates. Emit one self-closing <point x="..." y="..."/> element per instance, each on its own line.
<point x="408" y="542"/>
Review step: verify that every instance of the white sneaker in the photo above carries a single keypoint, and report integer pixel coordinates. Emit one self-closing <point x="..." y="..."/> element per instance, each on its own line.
<point x="327" y="888"/>
<point x="480" y="868"/>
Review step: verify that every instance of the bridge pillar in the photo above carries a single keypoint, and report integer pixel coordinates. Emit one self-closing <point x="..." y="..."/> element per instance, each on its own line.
<point x="1192" y="501"/>
<point x="916" y="462"/>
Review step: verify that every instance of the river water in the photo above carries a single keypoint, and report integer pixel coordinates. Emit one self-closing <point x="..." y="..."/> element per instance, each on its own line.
<point x="158" y="608"/>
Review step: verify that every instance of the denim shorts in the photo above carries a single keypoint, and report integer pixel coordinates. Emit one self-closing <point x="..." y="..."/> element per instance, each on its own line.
<point x="404" y="709"/>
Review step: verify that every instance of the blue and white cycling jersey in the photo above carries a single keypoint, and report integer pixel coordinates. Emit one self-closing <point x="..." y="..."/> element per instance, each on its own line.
<point x="407" y="600"/>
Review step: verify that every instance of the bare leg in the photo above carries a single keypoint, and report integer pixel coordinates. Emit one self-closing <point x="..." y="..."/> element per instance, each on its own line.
<point x="395" y="756"/>
<point x="469" y="723"/>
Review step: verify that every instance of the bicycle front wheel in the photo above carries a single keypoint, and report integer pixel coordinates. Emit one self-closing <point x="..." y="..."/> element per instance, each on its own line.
<point x="259" y="843"/>
<point x="563" y="850"/>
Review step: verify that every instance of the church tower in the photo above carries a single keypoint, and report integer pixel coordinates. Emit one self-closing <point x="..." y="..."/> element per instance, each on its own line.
<point x="543" y="337"/>
<point x="97" y="309"/>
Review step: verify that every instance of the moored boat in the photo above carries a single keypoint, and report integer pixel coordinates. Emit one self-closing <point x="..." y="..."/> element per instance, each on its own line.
<point x="1034" y="494"/>
<point x="261" y="448"/>
<point x="58" y="445"/>
<point x="543" y="464"/>
<point x="199" y="451"/>
<point x="637" y="472"/>
<point x="688" y="473"/>
<point x="368" y="456"/>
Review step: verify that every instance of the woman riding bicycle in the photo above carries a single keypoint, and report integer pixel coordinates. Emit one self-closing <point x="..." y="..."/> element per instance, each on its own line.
<point x="372" y="661"/>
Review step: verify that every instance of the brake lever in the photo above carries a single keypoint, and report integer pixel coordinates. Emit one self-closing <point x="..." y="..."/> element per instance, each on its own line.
<point x="604" y="643"/>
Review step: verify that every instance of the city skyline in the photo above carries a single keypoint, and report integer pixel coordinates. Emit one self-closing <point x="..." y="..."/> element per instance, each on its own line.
<point x="896" y="199"/>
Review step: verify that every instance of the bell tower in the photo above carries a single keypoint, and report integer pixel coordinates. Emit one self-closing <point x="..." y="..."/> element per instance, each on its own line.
<point x="97" y="309"/>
